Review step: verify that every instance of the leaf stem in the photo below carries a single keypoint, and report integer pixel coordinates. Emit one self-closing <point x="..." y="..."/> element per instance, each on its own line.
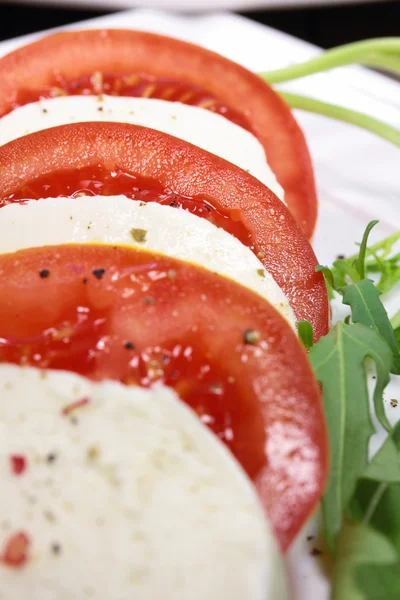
<point x="346" y="115"/>
<point x="379" y="52"/>
<point x="360" y="260"/>
<point x="376" y="498"/>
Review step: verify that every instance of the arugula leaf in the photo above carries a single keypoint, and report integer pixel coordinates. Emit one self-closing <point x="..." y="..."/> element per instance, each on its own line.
<point x="396" y="327"/>
<point x="338" y="362"/>
<point x="378" y="581"/>
<point x="359" y="262"/>
<point x="368" y="558"/>
<point x="367" y="308"/>
<point x="397" y="335"/>
<point x="385" y="466"/>
<point x="377" y="496"/>
<point x="306" y="333"/>
<point x="344" y="271"/>
<point x="395" y="321"/>
<point x="377" y="261"/>
<point x="360" y="547"/>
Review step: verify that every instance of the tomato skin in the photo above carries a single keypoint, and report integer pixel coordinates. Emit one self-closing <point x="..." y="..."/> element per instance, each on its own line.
<point x="76" y="54"/>
<point x="189" y="171"/>
<point x="274" y="405"/>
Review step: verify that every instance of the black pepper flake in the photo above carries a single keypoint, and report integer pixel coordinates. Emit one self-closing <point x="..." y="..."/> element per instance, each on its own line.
<point x="44" y="273"/>
<point x="251" y="336"/>
<point x="309" y="538"/>
<point x="56" y="548"/>
<point x="316" y="552"/>
<point x="98" y="273"/>
<point x="129" y="346"/>
<point x="340" y="257"/>
<point x="44" y="111"/>
<point x="173" y="203"/>
<point x="100" y="108"/>
<point x="51" y="457"/>
<point x="148" y="300"/>
<point x="165" y="358"/>
<point x="85" y="280"/>
<point x="74" y="420"/>
<point x="373" y="376"/>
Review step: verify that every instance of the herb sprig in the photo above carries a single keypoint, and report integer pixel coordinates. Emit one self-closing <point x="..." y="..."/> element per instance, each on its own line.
<point x="383" y="53"/>
<point x="361" y="505"/>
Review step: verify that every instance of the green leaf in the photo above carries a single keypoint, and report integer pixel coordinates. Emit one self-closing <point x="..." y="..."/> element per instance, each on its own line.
<point x="397" y="335"/>
<point x="378" y="261"/>
<point x="344" y="272"/>
<point x="368" y="559"/>
<point x="379" y="503"/>
<point x="376" y="500"/>
<point x="359" y="263"/>
<point x="395" y="321"/>
<point x="378" y="582"/>
<point x="359" y="546"/>
<point x="306" y="333"/>
<point x="338" y="361"/>
<point x="327" y="274"/>
<point x="396" y="327"/>
<point x="385" y="466"/>
<point x="367" y="308"/>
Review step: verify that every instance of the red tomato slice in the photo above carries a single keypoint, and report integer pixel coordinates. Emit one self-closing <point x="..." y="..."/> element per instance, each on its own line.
<point x="120" y="313"/>
<point x="187" y="171"/>
<point x="61" y="62"/>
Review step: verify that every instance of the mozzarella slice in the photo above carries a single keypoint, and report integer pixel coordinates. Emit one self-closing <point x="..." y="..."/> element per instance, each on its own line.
<point x="128" y="496"/>
<point x="110" y="219"/>
<point x="199" y="126"/>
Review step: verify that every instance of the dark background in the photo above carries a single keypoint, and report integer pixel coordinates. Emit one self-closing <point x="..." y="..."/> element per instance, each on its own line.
<point x="325" y="27"/>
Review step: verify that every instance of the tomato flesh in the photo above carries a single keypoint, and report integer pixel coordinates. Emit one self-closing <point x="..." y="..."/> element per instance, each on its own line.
<point x="167" y="66"/>
<point x="137" y="86"/>
<point x="99" y="181"/>
<point x="118" y="313"/>
<point x="190" y="172"/>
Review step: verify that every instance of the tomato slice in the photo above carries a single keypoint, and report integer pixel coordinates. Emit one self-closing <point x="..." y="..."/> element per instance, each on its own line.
<point x="119" y="313"/>
<point x="139" y="63"/>
<point x="187" y="171"/>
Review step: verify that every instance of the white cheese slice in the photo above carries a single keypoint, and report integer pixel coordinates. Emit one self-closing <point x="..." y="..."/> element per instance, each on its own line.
<point x="109" y="219"/>
<point x="196" y="125"/>
<point x="133" y="498"/>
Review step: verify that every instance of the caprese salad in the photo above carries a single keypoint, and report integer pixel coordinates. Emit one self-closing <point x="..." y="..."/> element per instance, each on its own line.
<point x="162" y="431"/>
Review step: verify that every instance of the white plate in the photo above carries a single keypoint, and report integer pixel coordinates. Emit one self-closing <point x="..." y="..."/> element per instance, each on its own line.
<point x="193" y="5"/>
<point x="357" y="173"/>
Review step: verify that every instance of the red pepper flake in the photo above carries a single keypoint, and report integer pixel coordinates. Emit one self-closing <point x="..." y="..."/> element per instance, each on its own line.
<point x="73" y="406"/>
<point x="18" y="464"/>
<point x="15" y="553"/>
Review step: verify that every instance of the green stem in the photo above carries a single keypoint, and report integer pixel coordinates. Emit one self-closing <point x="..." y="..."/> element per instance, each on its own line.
<point x="343" y="114"/>
<point x="384" y="61"/>
<point x="381" y="52"/>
